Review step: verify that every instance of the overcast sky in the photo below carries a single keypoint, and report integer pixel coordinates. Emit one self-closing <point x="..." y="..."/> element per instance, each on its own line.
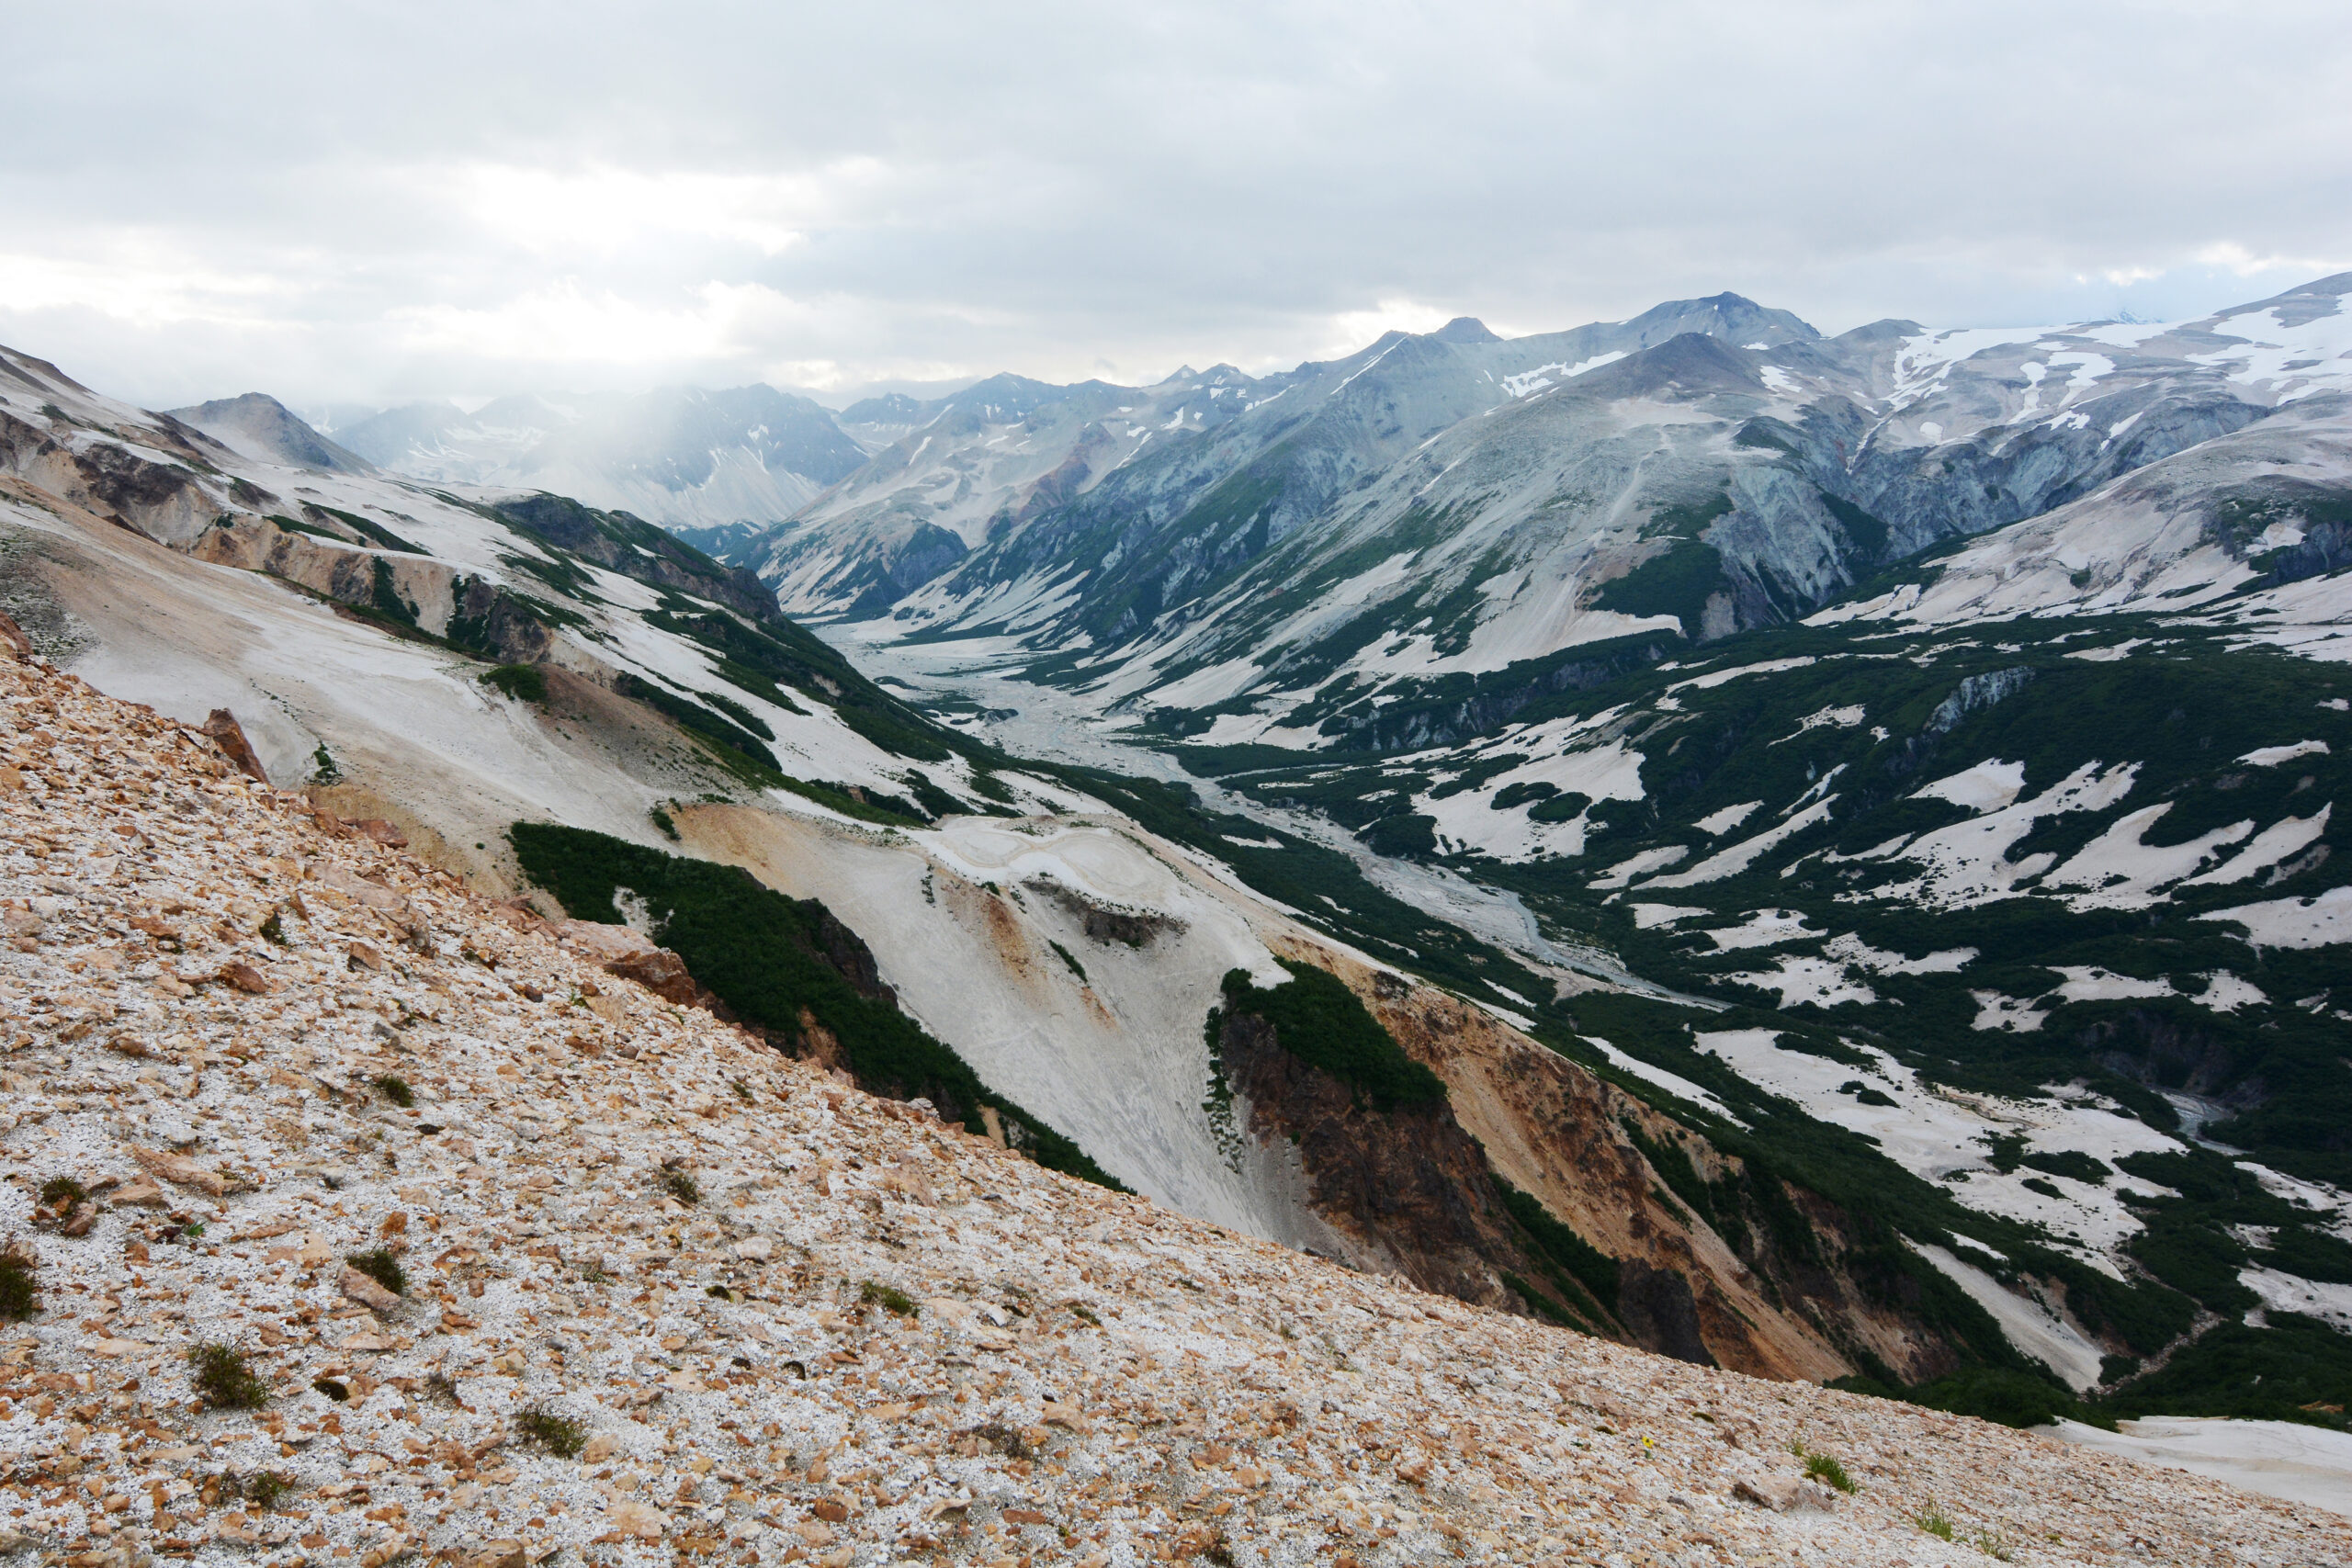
<point x="377" y="202"/>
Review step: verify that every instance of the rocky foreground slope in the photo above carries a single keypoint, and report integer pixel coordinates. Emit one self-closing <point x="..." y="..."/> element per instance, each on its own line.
<point x="666" y="1295"/>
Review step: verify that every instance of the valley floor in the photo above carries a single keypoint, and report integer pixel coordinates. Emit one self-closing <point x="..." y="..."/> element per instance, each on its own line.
<point x="668" y="1294"/>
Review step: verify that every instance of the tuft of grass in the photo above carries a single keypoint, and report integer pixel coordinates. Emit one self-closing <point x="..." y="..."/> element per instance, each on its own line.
<point x="681" y="1186"/>
<point x="562" y="1435"/>
<point x="19" y="1291"/>
<point x="1081" y="1310"/>
<point x="266" y="1489"/>
<point x="1936" y="1523"/>
<point x="395" y="1089"/>
<point x="379" y="1265"/>
<point x="223" y="1381"/>
<point x="1825" y="1469"/>
<point x="871" y="1294"/>
<point x="273" y="928"/>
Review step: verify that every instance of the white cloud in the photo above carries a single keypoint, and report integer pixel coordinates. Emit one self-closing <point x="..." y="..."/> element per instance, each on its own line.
<point x="479" y="196"/>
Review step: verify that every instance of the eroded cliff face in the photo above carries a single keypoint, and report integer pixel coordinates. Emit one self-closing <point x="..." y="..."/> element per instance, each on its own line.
<point x="1417" y="1190"/>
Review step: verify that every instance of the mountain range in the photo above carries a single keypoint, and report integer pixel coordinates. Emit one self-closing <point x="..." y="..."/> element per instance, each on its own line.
<point x="1814" y="854"/>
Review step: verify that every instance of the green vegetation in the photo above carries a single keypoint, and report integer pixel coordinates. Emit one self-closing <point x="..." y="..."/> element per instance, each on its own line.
<point x="772" y="959"/>
<point x="562" y="1435"/>
<point x="223" y="1381"/>
<point x="1677" y="582"/>
<point x="1825" y="1469"/>
<point x="888" y="1298"/>
<point x="681" y="1185"/>
<point x="323" y="766"/>
<point x="1318" y="1020"/>
<point x="266" y="1489"/>
<point x="1070" y="958"/>
<point x="375" y="533"/>
<point x="662" y="822"/>
<point x="395" y="1089"/>
<point x="382" y="1266"/>
<point x="1593" y="1270"/>
<point x="1936" y="1523"/>
<point x="2293" y="1369"/>
<point x="19" y="1283"/>
<point x="523" y="682"/>
<point x="2005" y="1395"/>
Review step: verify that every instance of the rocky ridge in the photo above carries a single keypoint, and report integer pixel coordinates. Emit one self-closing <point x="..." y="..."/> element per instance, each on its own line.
<point x="663" y="1291"/>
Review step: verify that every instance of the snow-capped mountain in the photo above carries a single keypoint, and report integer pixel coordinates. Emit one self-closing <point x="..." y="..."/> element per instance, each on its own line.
<point x="1451" y="502"/>
<point x="679" y="457"/>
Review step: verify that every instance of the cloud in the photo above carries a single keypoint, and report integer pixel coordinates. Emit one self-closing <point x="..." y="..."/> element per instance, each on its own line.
<point x="351" y="203"/>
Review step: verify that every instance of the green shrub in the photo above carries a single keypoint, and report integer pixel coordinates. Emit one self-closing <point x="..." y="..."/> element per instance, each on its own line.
<point x="889" y="1299"/>
<point x="662" y="820"/>
<point x="562" y="1435"/>
<point x="396" y="1090"/>
<point x="1318" y="1020"/>
<point x="523" y="682"/>
<point x="19" y="1289"/>
<point x="379" y="1265"/>
<point x="1066" y="957"/>
<point x="323" y="766"/>
<point x="223" y="1381"/>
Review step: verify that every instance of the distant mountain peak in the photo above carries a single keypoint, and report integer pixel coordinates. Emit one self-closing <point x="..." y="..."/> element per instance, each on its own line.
<point x="1465" y="329"/>
<point x="256" y="425"/>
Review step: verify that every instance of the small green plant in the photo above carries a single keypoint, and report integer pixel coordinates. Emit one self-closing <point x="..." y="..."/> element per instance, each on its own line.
<point x="19" y="1291"/>
<point x="743" y="1090"/>
<point x="223" y="1381"/>
<point x="266" y="1489"/>
<point x="1994" y="1546"/>
<point x="561" y="1435"/>
<point x="662" y="820"/>
<point x="379" y="1265"/>
<point x="395" y="1089"/>
<point x="681" y="1186"/>
<point x="323" y="768"/>
<point x="1081" y="1310"/>
<point x="443" y="1387"/>
<point x="1934" y="1522"/>
<point x="1824" y="1468"/>
<point x="523" y="682"/>
<point x="62" y="1193"/>
<point x="1068" y="957"/>
<point x="889" y="1299"/>
<point x="273" y="928"/>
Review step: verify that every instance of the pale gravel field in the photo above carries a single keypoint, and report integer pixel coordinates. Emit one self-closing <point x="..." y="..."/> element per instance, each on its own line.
<point x="1078" y="1377"/>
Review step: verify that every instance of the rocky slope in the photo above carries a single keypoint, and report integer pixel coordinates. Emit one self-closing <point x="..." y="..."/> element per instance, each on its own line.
<point x="628" y="1286"/>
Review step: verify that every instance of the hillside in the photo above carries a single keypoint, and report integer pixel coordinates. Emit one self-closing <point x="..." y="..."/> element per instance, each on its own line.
<point x="635" y="1287"/>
